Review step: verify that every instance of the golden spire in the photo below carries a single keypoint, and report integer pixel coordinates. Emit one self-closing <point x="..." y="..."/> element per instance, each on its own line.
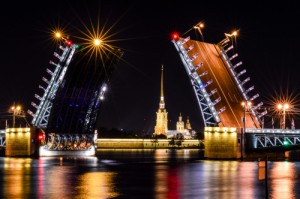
<point x="162" y="101"/>
<point x="162" y="82"/>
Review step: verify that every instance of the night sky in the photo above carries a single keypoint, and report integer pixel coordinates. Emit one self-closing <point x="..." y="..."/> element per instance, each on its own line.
<point x="268" y="45"/>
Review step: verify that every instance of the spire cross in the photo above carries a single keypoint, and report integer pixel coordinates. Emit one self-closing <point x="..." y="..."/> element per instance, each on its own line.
<point x="162" y="82"/>
<point x="162" y="101"/>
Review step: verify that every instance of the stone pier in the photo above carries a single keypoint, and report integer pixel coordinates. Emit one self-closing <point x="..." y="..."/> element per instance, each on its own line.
<point x="222" y="143"/>
<point x="20" y="142"/>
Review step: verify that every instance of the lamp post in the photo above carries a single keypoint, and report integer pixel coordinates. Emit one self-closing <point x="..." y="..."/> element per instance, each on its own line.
<point x="198" y="27"/>
<point x="246" y="105"/>
<point x="283" y="107"/>
<point x="15" y="110"/>
<point x="233" y="34"/>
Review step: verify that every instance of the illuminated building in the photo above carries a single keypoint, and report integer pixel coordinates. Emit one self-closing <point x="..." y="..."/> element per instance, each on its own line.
<point x="180" y="124"/>
<point x="188" y="124"/>
<point x="181" y="129"/>
<point x="161" y="126"/>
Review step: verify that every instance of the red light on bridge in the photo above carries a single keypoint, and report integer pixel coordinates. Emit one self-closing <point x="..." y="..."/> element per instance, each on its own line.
<point x="175" y="36"/>
<point x="41" y="137"/>
<point x="69" y="42"/>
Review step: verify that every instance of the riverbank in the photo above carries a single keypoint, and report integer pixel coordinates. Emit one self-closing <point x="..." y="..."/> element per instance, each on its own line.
<point x="148" y="144"/>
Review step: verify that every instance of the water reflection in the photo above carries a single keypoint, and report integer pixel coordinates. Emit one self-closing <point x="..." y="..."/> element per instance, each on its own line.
<point x="283" y="184"/>
<point x="158" y="174"/>
<point x="177" y="155"/>
<point x="41" y="178"/>
<point x="208" y="179"/>
<point x="55" y="178"/>
<point x="97" y="185"/>
<point x="15" y="176"/>
<point x="78" y="177"/>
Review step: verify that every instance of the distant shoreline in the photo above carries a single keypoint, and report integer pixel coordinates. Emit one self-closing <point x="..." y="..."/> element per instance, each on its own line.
<point x="104" y="143"/>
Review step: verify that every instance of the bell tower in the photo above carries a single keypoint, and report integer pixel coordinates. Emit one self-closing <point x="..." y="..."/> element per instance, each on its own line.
<point x="161" y="126"/>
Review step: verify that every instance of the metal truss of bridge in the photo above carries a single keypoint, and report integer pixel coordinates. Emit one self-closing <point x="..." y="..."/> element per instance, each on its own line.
<point x="2" y="138"/>
<point x="42" y="113"/>
<point x="72" y="94"/>
<point x="60" y="144"/>
<point x="219" y="82"/>
<point x="266" y="138"/>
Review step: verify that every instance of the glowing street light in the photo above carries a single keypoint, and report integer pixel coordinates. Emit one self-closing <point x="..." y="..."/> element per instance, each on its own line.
<point x="246" y="105"/>
<point x="234" y="33"/>
<point x="283" y="107"/>
<point x="58" y="35"/>
<point x="199" y="26"/>
<point x="97" y="42"/>
<point x="15" y="110"/>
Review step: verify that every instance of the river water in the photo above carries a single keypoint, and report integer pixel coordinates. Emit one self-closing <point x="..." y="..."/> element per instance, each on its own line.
<point x="145" y="174"/>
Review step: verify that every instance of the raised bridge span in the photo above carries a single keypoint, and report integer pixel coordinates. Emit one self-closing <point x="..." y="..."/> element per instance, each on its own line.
<point x="221" y="84"/>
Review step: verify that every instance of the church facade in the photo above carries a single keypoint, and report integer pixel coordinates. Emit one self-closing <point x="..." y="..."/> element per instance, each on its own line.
<point x="182" y="129"/>
<point x="161" y="127"/>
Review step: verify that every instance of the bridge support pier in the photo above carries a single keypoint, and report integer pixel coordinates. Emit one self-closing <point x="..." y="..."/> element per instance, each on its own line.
<point x="21" y="142"/>
<point x="222" y="143"/>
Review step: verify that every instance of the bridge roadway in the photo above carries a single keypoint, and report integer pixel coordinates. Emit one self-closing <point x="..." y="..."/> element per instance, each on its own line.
<point x="227" y="89"/>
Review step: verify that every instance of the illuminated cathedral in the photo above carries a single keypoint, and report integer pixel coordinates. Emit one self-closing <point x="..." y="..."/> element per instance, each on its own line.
<point x="161" y="127"/>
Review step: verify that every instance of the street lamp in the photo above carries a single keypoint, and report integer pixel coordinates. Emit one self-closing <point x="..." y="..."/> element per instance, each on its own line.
<point x="283" y="107"/>
<point x="233" y="36"/>
<point x="198" y="27"/>
<point x="234" y="33"/>
<point x="246" y="105"/>
<point x="58" y="35"/>
<point x="97" y="42"/>
<point x="15" y="110"/>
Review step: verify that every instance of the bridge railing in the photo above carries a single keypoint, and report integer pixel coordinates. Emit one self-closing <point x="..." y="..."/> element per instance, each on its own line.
<point x="2" y="138"/>
<point x="254" y="130"/>
<point x="265" y="138"/>
<point x="277" y="140"/>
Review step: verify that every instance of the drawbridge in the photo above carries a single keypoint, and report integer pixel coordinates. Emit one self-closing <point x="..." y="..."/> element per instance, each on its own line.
<point x="221" y="84"/>
<point x="71" y="96"/>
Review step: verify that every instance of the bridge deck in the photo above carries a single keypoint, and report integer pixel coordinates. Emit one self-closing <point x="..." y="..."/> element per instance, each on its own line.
<point x="227" y="89"/>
